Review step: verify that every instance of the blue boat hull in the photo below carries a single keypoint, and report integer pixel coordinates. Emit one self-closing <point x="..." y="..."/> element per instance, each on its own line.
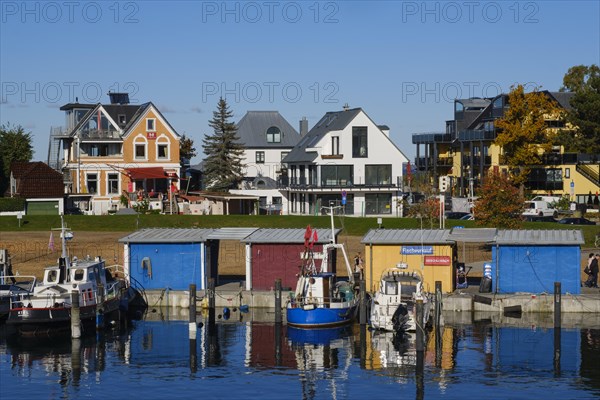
<point x="320" y="317"/>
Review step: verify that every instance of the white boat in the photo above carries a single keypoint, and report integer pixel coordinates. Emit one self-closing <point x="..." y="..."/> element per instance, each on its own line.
<point x="47" y="309"/>
<point x="393" y="305"/>
<point x="12" y="289"/>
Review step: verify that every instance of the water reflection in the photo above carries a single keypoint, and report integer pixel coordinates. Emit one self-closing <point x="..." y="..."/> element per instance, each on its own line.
<point x="468" y="351"/>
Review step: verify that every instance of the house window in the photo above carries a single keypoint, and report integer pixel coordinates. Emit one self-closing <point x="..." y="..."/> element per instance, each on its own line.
<point x="113" y="184"/>
<point x="378" y="174"/>
<point x="335" y="145"/>
<point x="260" y="157"/>
<point x="122" y="119"/>
<point x="567" y="173"/>
<point x="337" y="175"/>
<point x="378" y="203"/>
<point x="162" y="150"/>
<point x="359" y="142"/>
<point x="273" y="135"/>
<point x="150" y="125"/>
<point x="140" y="151"/>
<point x="92" y="183"/>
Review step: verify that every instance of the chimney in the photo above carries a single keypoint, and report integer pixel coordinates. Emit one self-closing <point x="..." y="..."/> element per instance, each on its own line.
<point x="303" y="126"/>
<point x="346" y="107"/>
<point x="385" y="129"/>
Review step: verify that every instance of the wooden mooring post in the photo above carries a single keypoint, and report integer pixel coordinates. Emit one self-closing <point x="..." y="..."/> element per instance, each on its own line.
<point x="438" y="303"/>
<point x="363" y="303"/>
<point x="211" y="302"/>
<point x="557" y="304"/>
<point x="193" y="327"/>
<point x="419" y="325"/>
<point x="557" y="327"/>
<point x="75" y="315"/>
<point x="278" y="317"/>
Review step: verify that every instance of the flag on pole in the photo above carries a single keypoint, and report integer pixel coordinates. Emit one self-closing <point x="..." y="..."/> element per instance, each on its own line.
<point x="314" y="239"/>
<point x="51" y="243"/>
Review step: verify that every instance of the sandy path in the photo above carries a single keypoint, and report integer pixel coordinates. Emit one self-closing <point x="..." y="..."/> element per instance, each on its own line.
<point x="30" y="253"/>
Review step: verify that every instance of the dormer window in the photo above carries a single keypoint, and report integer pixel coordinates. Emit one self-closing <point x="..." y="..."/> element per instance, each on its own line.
<point x="150" y="125"/>
<point x="273" y="135"/>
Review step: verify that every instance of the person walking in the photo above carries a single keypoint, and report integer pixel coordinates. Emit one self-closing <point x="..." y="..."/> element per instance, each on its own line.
<point x="358" y="265"/>
<point x="587" y="270"/>
<point x="594" y="271"/>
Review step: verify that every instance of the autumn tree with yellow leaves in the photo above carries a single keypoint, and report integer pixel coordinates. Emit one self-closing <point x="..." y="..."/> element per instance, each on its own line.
<point x="523" y="134"/>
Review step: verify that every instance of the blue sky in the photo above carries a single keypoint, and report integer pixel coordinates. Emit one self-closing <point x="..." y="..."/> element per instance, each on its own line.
<point x="403" y="62"/>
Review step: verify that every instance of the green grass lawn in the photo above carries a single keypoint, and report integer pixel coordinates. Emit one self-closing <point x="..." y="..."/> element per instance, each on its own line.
<point x="350" y="225"/>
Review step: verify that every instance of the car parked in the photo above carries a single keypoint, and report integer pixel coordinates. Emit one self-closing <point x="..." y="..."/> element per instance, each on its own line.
<point x="576" y="221"/>
<point x="537" y="218"/>
<point x="455" y="214"/>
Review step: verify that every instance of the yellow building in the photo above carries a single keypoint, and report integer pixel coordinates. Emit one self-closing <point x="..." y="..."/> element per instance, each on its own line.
<point x="460" y="158"/>
<point x="107" y="150"/>
<point x="429" y="252"/>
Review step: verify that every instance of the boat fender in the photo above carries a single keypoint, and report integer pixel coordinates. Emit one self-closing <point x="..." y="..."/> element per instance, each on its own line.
<point x="226" y="313"/>
<point x="244" y="308"/>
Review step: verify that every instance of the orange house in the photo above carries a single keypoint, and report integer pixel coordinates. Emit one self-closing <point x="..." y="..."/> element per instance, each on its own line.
<point x="108" y="150"/>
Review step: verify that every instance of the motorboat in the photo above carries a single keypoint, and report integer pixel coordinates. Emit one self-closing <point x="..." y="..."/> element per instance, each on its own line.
<point x="12" y="289"/>
<point x="320" y="299"/>
<point x="393" y="305"/>
<point x="86" y="283"/>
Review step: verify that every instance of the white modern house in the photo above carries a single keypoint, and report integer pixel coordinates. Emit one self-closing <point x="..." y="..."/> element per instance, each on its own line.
<point x="267" y="139"/>
<point x="345" y="159"/>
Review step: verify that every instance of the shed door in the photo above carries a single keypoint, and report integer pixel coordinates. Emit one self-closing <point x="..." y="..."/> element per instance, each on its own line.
<point x="42" y="208"/>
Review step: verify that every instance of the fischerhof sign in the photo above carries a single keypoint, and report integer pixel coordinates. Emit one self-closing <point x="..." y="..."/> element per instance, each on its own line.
<point x="437" y="260"/>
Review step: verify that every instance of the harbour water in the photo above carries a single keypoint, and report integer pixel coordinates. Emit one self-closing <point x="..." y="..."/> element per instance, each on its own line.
<point x="248" y="356"/>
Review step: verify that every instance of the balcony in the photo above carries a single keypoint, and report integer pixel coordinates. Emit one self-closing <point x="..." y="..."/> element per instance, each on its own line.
<point x="487" y="160"/>
<point x="93" y="135"/>
<point x="424" y="138"/>
<point x="476" y="135"/>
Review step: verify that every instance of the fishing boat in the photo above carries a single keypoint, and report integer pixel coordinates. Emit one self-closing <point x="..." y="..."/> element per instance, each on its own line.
<point x="86" y="282"/>
<point x="320" y="299"/>
<point x="393" y="304"/>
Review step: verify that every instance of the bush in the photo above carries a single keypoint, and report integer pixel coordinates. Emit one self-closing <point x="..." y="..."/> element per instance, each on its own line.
<point x="11" y="204"/>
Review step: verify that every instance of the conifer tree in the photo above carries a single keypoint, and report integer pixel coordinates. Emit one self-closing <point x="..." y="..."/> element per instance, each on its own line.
<point x="223" y="162"/>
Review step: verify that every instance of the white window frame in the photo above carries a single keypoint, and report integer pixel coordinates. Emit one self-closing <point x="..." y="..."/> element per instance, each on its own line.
<point x="262" y="159"/>
<point x="153" y="129"/>
<point x="108" y="181"/>
<point x="140" y="141"/>
<point x="87" y="174"/>
<point x="163" y="141"/>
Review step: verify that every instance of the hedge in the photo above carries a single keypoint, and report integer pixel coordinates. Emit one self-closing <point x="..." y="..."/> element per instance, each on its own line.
<point x="11" y="204"/>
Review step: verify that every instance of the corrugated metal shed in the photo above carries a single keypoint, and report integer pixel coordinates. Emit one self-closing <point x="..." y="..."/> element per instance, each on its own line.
<point x="167" y="235"/>
<point x="406" y="236"/>
<point x="230" y="233"/>
<point x="288" y="236"/>
<point x="540" y="237"/>
<point x="473" y="235"/>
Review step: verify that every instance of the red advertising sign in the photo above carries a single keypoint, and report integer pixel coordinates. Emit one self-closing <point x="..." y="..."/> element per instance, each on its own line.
<point x="151" y="135"/>
<point x="437" y="260"/>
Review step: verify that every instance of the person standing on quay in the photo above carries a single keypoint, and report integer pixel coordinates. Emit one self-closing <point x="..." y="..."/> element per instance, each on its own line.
<point x="594" y="271"/>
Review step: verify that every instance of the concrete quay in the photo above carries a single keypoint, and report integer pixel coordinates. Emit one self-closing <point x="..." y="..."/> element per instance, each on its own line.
<point x="465" y="300"/>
